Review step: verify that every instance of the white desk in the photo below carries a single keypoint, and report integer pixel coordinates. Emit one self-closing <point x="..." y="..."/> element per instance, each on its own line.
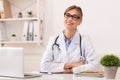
<point x="60" y="77"/>
<point x="67" y="77"/>
<point x="63" y="77"/>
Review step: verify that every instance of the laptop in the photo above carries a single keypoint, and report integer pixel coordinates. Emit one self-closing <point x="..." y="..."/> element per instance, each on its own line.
<point x="12" y="63"/>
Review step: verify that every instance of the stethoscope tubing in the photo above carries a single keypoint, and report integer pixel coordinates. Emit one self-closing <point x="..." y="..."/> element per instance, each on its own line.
<point x="82" y="58"/>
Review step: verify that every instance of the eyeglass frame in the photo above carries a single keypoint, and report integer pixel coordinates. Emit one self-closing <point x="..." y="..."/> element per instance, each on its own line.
<point x="73" y="17"/>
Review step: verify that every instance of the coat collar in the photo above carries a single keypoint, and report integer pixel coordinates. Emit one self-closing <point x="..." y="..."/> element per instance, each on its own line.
<point x="75" y="41"/>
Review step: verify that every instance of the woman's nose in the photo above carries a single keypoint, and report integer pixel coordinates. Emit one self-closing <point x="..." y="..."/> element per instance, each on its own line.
<point x="70" y="18"/>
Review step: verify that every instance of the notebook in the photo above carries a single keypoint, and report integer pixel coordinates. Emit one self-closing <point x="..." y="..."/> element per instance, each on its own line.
<point x="12" y="63"/>
<point x="90" y="74"/>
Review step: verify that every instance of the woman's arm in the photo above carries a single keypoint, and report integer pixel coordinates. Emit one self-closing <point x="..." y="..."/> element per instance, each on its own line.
<point x="92" y="62"/>
<point x="74" y="64"/>
<point x="47" y="61"/>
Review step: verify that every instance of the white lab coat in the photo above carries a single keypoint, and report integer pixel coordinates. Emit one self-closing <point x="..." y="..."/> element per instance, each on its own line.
<point x="53" y="61"/>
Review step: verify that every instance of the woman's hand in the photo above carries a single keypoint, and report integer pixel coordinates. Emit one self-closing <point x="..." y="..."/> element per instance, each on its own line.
<point x="68" y="66"/>
<point x="74" y="64"/>
<point x="69" y="70"/>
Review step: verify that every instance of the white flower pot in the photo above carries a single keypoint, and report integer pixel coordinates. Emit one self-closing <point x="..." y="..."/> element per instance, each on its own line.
<point x="110" y="72"/>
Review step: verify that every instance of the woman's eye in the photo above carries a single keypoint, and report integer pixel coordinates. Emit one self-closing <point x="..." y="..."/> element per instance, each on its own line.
<point x="76" y="17"/>
<point x="68" y="15"/>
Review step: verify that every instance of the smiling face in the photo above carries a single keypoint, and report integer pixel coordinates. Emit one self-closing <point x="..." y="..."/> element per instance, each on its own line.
<point x="72" y="18"/>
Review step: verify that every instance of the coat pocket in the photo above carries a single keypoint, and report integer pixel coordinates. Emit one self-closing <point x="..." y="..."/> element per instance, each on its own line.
<point x="57" y="56"/>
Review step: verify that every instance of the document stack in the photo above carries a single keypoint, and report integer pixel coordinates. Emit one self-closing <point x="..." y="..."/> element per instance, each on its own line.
<point x="3" y="33"/>
<point x="30" y="31"/>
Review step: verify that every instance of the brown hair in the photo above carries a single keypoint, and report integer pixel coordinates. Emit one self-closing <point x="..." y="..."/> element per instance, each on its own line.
<point x="75" y="7"/>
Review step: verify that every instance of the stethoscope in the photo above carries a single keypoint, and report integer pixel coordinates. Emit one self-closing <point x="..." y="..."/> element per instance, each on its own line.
<point x="82" y="58"/>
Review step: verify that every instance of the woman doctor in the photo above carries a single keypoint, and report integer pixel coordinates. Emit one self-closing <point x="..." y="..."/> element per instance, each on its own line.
<point x="70" y="52"/>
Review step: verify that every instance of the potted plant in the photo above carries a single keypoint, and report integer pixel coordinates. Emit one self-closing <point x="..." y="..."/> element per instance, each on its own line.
<point x="13" y="36"/>
<point x="29" y="13"/>
<point x="111" y="63"/>
<point x="20" y="15"/>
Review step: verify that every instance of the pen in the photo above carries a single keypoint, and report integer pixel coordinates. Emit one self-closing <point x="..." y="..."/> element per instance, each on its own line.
<point x="46" y="72"/>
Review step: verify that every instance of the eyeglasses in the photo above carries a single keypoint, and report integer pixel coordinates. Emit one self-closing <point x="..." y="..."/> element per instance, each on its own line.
<point x="74" y="17"/>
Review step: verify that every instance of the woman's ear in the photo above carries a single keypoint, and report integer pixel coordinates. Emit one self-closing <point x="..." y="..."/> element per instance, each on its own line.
<point x="80" y="22"/>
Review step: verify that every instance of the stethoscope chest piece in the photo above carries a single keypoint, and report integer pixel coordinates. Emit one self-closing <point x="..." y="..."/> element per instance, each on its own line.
<point x="82" y="59"/>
